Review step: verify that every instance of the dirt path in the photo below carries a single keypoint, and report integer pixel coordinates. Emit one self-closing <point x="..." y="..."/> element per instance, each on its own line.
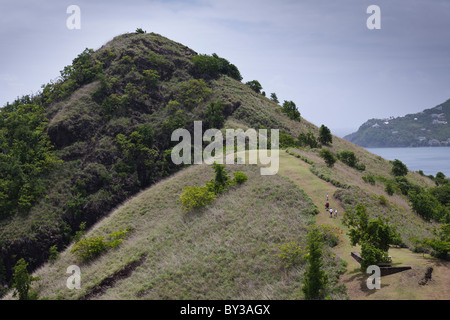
<point x="404" y="285"/>
<point x="317" y="189"/>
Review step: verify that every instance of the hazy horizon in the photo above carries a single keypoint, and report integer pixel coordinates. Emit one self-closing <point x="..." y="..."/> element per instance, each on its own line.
<point x="321" y="55"/>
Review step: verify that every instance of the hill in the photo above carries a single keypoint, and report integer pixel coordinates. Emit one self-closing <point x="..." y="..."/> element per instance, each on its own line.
<point x="102" y="132"/>
<point x="89" y="159"/>
<point x="427" y="128"/>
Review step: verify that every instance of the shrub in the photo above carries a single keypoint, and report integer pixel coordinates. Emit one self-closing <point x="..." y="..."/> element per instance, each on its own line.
<point x="214" y="115"/>
<point x="369" y="179"/>
<point x="139" y="30"/>
<point x="196" y="197"/>
<point x="308" y="140"/>
<point x="89" y="248"/>
<point x="291" y="253"/>
<point x="239" y="177"/>
<point x="213" y="66"/>
<point x="328" y="156"/>
<point x="254" y="85"/>
<point x="53" y="254"/>
<point x="287" y="141"/>
<point x="22" y="281"/>
<point x="193" y="93"/>
<point x="151" y="78"/>
<point x="399" y="169"/>
<point x="290" y="109"/>
<point x="383" y="201"/>
<point x="389" y="188"/>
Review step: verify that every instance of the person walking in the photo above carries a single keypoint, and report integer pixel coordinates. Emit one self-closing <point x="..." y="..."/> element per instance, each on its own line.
<point x="331" y="213"/>
<point x="335" y="213"/>
<point x="327" y="206"/>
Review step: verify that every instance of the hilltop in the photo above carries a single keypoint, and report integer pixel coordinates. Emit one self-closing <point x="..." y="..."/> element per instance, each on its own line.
<point x="427" y="128"/>
<point x="99" y="147"/>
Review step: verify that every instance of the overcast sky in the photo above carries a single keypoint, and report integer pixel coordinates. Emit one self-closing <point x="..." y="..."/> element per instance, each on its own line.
<point x="318" y="53"/>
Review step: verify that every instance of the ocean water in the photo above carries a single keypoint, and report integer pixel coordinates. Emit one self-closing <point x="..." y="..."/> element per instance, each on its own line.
<point x="429" y="160"/>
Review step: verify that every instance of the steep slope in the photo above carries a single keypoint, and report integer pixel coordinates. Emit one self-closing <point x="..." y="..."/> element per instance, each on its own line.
<point x="110" y="119"/>
<point x="229" y="250"/>
<point x="427" y="128"/>
<point x="105" y="128"/>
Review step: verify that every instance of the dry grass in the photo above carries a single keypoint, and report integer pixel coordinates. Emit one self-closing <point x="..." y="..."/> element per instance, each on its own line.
<point x="226" y="251"/>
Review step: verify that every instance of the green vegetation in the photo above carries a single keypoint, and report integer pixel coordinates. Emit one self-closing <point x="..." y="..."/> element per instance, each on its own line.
<point x="399" y="169"/>
<point x="210" y="67"/>
<point x="349" y="158"/>
<point x="26" y="157"/>
<point x="328" y="156"/>
<point x="22" y="281"/>
<point x="290" y="109"/>
<point x="194" y="198"/>
<point x="423" y="129"/>
<point x="308" y="140"/>
<point x="274" y="98"/>
<point x="89" y="248"/>
<point x="325" y="136"/>
<point x="315" y="280"/>
<point x="254" y="85"/>
<point x="374" y="235"/>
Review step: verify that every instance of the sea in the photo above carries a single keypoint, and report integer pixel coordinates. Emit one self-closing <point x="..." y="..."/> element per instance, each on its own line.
<point x="430" y="160"/>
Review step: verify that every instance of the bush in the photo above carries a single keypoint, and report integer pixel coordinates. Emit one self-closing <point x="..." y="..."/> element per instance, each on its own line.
<point x="291" y="110"/>
<point x="53" y="254"/>
<point x="254" y="85"/>
<point x="211" y="67"/>
<point x="291" y="253"/>
<point x="193" y="93"/>
<point x="308" y="140"/>
<point x="329" y="157"/>
<point x="383" y="201"/>
<point x="389" y="188"/>
<point x="369" y="179"/>
<point x="90" y="248"/>
<point x="399" y="169"/>
<point x="239" y="177"/>
<point x="22" y="281"/>
<point x="196" y="197"/>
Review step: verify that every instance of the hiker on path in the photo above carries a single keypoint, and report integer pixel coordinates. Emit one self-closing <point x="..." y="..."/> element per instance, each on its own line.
<point x="335" y="213"/>
<point x="331" y="213"/>
<point x="327" y="196"/>
<point x="327" y="205"/>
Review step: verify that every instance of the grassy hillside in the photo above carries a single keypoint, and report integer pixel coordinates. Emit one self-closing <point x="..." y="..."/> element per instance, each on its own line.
<point x="103" y="166"/>
<point x="105" y="127"/>
<point x="229" y="250"/>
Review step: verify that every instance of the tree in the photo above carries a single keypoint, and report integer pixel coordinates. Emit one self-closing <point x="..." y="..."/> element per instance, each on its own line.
<point x="329" y="157"/>
<point x="291" y="110"/>
<point x="274" y="98"/>
<point x="374" y="235"/>
<point x="325" y="136"/>
<point x="315" y="280"/>
<point x="254" y="85"/>
<point x="308" y="139"/>
<point x="399" y="169"/>
<point x="22" y="280"/>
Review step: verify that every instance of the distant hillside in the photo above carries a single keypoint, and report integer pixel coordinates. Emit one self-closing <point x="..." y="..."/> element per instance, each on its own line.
<point x="427" y="128"/>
